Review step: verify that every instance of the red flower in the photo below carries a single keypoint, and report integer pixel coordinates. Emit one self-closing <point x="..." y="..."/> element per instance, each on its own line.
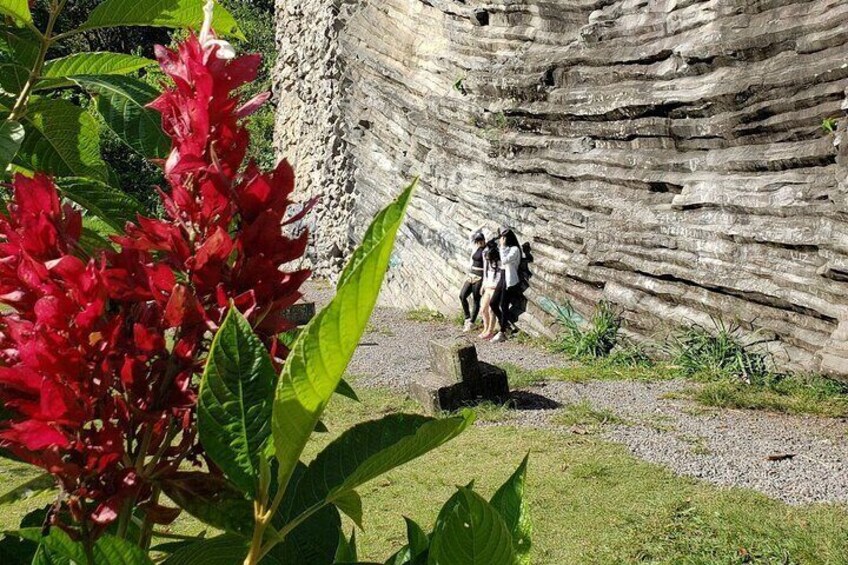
<point x="100" y="359"/>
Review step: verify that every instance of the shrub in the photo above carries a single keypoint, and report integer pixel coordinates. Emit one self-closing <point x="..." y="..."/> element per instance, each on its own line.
<point x="48" y="123"/>
<point x="722" y="351"/>
<point x="592" y="339"/>
<point x="101" y="359"/>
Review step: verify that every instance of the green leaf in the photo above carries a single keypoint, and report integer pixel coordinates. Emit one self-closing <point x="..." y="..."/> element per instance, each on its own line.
<point x="221" y="550"/>
<point x="309" y="542"/>
<point x="95" y="235"/>
<point x="108" y="550"/>
<point x="236" y="401"/>
<point x="346" y="552"/>
<point x="19" y="45"/>
<point x="469" y="531"/>
<point x="370" y="449"/>
<point x="325" y="346"/>
<point x="416" y="549"/>
<point x="509" y="502"/>
<point x="12" y="79"/>
<point x="160" y="13"/>
<point x="61" y="139"/>
<point x="346" y="390"/>
<point x="373" y="235"/>
<point x="41" y="483"/>
<point x="18" y="9"/>
<point x="417" y="540"/>
<point x="11" y="136"/>
<point x="111" y="205"/>
<point x="57" y="72"/>
<point x="350" y="503"/>
<point x="212" y="500"/>
<point x="122" y="102"/>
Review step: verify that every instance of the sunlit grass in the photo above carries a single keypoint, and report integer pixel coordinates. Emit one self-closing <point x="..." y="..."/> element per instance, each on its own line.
<point x="592" y="503"/>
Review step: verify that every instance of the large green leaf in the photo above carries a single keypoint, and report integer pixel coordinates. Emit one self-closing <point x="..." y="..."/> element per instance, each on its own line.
<point x="12" y="79"/>
<point x="41" y="483"/>
<point x="19" y="45"/>
<point x="469" y="531"/>
<point x="309" y="542"/>
<point x="212" y="500"/>
<point x="96" y="235"/>
<point x="61" y="139"/>
<point x="122" y="102"/>
<point x="11" y="136"/>
<point x="18" y="9"/>
<point x="221" y="550"/>
<point x="510" y="504"/>
<point x="346" y="552"/>
<point x="370" y="449"/>
<point x="108" y="550"/>
<point x="312" y="541"/>
<point x="57" y="72"/>
<point x="160" y="13"/>
<point x="416" y="549"/>
<point x="114" y="207"/>
<point x="373" y="236"/>
<point x="324" y="348"/>
<point x="236" y="401"/>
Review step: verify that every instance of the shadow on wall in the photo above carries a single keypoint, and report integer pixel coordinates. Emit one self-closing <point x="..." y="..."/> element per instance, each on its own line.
<point x="524" y="277"/>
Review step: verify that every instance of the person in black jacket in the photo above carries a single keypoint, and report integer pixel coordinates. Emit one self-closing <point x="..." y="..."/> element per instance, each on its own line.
<point x="473" y="282"/>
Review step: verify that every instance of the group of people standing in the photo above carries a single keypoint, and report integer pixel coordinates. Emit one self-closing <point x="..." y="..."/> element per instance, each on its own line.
<point x="493" y="284"/>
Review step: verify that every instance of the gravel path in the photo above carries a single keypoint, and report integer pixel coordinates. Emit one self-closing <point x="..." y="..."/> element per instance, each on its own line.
<point x="791" y="458"/>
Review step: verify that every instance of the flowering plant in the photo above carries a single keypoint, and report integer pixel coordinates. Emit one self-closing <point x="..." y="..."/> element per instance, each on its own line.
<point x="159" y="368"/>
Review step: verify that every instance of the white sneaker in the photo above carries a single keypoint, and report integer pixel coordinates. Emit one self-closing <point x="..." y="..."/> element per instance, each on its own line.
<point x="499" y="338"/>
<point x="467" y="327"/>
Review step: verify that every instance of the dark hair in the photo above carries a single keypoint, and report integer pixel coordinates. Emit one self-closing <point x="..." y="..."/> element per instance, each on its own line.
<point x="511" y="238"/>
<point x="478" y="237"/>
<point x="492" y="255"/>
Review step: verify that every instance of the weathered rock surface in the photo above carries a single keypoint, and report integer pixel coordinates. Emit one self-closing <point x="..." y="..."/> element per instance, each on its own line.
<point x="666" y="155"/>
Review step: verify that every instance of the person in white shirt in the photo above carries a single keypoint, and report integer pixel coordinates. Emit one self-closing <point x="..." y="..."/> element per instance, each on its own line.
<point x="492" y="276"/>
<point x="509" y="291"/>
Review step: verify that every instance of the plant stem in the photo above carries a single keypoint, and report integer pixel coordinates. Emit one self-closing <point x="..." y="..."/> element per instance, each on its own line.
<point x="262" y="519"/>
<point x="280" y="536"/>
<point x="147" y="526"/>
<point x="87" y="543"/>
<point x="20" y="107"/>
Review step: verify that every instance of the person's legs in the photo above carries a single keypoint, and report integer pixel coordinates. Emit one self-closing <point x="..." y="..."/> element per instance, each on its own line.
<point x="476" y="296"/>
<point x="496" y="302"/>
<point x="503" y="309"/>
<point x="488" y="316"/>
<point x="467" y="290"/>
<point x="504" y="303"/>
<point x="511" y="297"/>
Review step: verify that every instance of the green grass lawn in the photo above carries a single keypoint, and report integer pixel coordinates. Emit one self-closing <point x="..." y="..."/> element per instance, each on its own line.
<point x="592" y="503"/>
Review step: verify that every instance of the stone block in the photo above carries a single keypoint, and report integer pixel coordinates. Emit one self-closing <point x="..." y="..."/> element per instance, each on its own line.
<point x="437" y="393"/>
<point x="454" y="359"/>
<point x="493" y="385"/>
<point x="300" y="313"/>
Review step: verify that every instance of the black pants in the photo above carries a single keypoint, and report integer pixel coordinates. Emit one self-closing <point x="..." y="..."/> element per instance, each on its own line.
<point x="502" y="302"/>
<point x="472" y="290"/>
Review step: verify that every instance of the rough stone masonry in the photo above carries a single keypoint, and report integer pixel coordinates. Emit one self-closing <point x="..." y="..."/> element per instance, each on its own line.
<point x="667" y="155"/>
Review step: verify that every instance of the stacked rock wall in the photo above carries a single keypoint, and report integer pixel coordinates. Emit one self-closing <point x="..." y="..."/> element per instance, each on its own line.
<point x="667" y="155"/>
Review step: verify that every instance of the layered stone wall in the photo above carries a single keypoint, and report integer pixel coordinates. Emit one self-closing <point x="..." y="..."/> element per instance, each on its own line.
<point x="666" y="155"/>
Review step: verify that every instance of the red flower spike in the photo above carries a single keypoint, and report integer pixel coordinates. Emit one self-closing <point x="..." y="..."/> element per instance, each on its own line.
<point x="97" y="355"/>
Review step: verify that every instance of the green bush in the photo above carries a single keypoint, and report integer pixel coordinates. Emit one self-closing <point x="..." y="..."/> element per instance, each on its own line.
<point x="721" y="351"/>
<point x="592" y="339"/>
